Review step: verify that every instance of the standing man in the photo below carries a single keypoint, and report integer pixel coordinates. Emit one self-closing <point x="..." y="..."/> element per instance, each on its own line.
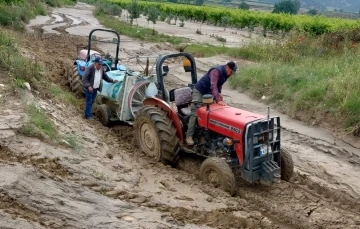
<point x="210" y="83"/>
<point x="94" y="73"/>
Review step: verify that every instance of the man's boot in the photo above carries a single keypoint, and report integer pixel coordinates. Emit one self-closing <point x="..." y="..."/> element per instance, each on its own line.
<point x="189" y="140"/>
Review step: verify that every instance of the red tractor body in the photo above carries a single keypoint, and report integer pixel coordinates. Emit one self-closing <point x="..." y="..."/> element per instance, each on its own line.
<point x="227" y="121"/>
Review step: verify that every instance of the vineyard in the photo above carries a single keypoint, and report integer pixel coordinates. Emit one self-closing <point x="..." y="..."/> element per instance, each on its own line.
<point x="314" y="25"/>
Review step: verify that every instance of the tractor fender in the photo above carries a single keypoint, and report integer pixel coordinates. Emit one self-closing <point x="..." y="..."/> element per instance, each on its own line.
<point x="171" y="113"/>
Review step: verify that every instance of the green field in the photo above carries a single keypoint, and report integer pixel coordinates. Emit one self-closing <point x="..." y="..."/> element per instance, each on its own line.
<point x="313" y="25"/>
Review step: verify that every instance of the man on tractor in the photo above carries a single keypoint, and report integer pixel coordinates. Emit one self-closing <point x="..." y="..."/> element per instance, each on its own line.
<point x="92" y="79"/>
<point x="210" y="83"/>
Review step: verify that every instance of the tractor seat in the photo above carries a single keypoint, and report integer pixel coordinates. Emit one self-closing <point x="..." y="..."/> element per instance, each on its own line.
<point x="182" y="98"/>
<point x="83" y="53"/>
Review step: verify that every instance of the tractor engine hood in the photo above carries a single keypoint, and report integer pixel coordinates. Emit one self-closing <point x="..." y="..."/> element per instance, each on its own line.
<point x="225" y="120"/>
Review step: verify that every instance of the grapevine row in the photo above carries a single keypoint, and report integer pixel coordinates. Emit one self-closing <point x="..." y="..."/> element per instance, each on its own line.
<point x="239" y="18"/>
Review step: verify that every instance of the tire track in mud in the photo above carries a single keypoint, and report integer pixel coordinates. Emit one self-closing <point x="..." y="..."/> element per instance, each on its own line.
<point x="52" y="166"/>
<point x="300" y="203"/>
<point x="301" y="200"/>
<point x="180" y="216"/>
<point x="10" y="204"/>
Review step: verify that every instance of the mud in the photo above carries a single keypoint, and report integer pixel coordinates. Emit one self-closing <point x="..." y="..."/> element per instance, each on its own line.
<point x="106" y="182"/>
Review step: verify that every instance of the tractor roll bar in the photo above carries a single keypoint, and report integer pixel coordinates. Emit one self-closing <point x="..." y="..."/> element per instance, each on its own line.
<point x="117" y="45"/>
<point x="159" y="70"/>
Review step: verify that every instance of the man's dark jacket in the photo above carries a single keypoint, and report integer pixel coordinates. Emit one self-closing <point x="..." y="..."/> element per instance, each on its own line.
<point x="204" y="84"/>
<point x="89" y="76"/>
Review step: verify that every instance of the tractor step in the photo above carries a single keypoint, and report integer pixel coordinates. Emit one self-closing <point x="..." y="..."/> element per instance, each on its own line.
<point x="188" y="149"/>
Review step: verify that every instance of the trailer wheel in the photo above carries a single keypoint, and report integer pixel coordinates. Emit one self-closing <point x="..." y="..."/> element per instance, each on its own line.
<point x="76" y="85"/>
<point x="217" y="172"/>
<point x="155" y="134"/>
<point x="105" y="114"/>
<point x="287" y="165"/>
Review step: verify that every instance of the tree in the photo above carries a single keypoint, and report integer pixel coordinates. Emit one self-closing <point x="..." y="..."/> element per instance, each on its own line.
<point x="153" y="13"/>
<point x="134" y="10"/>
<point x="243" y="5"/>
<point x="287" y="6"/>
<point x="225" y="21"/>
<point x="312" y="12"/>
<point x="199" y="2"/>
<point x="225" y="2"/>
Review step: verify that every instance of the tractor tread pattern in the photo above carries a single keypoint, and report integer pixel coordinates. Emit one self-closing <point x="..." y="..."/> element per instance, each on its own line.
<point x="166" y="132"/>
<point x="228" y="178"/>
<point x="76" y="83"/>
<point x="105" y="114"/>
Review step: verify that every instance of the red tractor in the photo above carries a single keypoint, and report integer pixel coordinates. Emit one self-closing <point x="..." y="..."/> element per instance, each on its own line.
<point x="226" y="137"/>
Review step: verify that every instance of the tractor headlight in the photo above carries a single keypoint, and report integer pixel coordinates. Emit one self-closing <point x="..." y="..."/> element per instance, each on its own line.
<point x="228" y="142"/>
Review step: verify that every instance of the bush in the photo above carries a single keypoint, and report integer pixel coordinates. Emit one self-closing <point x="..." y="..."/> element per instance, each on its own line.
<point x="108" y="8"/>
<point x="19" y="13"/>
<point x="243" y="5"/>
<point x="287" y="6"/>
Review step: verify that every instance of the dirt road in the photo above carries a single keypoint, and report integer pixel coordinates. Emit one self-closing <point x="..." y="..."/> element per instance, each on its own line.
<point x="107" y="183"/>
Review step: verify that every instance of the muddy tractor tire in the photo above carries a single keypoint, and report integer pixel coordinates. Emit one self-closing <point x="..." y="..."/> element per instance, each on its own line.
<point x="76" y="85"/>
<point x="217" y="172"/>
<point x="287" y="165"/>
<point x="104" y="114"/>
<point x="155" y="134"/>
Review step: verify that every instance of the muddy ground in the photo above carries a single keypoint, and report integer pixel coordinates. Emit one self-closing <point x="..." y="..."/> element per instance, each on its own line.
<point x="105" y="182"/>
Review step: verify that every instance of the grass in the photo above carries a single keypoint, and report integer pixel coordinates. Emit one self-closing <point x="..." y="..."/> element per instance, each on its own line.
<point x="305" y="78"/>
<point x="39" y="121"/>
<point x="16" y="15"/>
<point x="64" y="96"/>
<point x="73" y="141"/>
<point x="19" y="13"/>
<point x="20" y="68"/>
<point x="40" y="124"/>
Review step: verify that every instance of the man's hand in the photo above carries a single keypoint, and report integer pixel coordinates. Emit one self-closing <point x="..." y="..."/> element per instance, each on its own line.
<point x="91" y="90"/>
<point x="221" y="97"/>
<point x="115" y="81"/>
<point x="222" y="103"/>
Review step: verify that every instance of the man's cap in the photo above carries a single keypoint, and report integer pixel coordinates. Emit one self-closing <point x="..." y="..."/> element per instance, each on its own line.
<point x="98" y="60"/>
<point x="232" y="66"/>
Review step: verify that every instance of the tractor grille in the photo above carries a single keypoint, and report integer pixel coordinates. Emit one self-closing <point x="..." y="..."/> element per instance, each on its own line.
<point x="261" y="146"/>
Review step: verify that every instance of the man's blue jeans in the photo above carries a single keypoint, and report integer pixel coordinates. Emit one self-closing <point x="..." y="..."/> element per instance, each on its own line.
<point x="90" y="99"/>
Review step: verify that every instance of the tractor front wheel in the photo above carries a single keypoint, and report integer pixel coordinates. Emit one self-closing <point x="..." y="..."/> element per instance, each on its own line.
<point x="217" y="172"/>
<point x="155" y="134"/>
<point x="287" y="165"/>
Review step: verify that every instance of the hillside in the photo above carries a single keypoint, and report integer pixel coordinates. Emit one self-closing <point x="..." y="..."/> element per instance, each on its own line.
<point x="346" y="5"/>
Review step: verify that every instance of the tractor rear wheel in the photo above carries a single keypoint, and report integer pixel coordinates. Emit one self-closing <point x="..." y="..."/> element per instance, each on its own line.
<point x="217" y="172"/>
<point x="287" y="165"/>
<point x="76" y="85"/>
<point x="104" y="114"/>
<point x="155" y="134"/>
